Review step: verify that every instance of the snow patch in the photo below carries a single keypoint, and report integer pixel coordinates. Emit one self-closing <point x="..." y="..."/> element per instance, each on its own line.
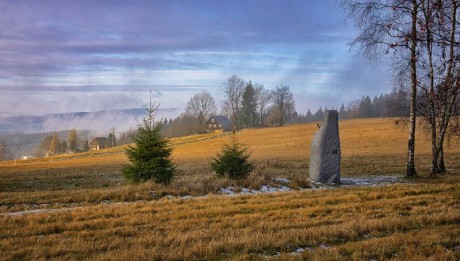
<point x="300" y="250"/>
<point x="227" y="191"/>
<point x="245" y="191"/>
<point x="370" y="181"/>
<point x="283" y="180"/>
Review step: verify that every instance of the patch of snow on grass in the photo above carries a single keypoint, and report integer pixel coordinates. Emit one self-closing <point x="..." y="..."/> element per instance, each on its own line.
<point x="283" y="180"/>
<point x="246" y="191"/>
<point x="370" y="181"/>
<point x="300" y="250"/>
<point x="227" y="191"/>
<point x="270" y="189"/>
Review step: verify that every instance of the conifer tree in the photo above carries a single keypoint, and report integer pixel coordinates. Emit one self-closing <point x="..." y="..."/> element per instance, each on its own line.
<point x="63" y="147"/>
<point x="249" y="106"/>
<point x="111" y="141"/>
<point x="73" y="140"/>
<point x="151" y="157"/>
<point x="86" y="146"/>
<point x="233" y="161"/>
<point x="4" y="152"/>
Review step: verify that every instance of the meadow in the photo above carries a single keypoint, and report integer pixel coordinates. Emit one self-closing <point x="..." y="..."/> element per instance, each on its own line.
<point x="101" y="216"/>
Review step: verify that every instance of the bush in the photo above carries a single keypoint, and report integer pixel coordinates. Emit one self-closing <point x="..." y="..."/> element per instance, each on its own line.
<point x="151" y="157"/>
<point x="233" y="161"/>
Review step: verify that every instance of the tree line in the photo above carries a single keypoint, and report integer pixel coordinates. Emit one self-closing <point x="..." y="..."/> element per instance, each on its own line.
<point x="260" y="107"/>
<point x="246" y="104"/>
<point x="394" y="104"/>
<point x="53" y="145"/>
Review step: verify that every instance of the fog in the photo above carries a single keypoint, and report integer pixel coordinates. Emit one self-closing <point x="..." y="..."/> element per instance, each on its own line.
<point x="100" y="122"/>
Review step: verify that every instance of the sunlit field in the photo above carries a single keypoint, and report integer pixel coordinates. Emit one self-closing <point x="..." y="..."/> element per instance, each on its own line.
<point x="369" y="147"/>
<point x="95" y="214"/>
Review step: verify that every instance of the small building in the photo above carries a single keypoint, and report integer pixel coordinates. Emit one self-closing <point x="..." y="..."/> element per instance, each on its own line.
<point x="218" y="123"/>
<point x="98" y="143"/>
<point x="28" y="157"/>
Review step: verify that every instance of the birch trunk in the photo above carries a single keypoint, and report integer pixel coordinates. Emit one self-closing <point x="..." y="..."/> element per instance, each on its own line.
<point x="451" y="91"/>
<point x="412" y="116"/>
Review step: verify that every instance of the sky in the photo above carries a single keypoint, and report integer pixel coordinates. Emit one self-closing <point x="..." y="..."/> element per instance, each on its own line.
<point x="68" y="56"/>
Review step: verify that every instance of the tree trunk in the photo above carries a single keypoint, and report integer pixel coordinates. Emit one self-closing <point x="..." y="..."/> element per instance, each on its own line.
<point x="451" y="90"/>
<point x="261" y="119"/>
<point x="434" y="165"/>
<point x="281" y="115"/>
<point x="431" y="95"/>
<point x="434" y="160"/>
<point x="235" y="119"/>
<point x="412" y="117"/>
<point x="442" y="166"/>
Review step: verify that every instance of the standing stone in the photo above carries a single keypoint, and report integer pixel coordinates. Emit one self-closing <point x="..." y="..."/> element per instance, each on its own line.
<point x="325" y="151"/>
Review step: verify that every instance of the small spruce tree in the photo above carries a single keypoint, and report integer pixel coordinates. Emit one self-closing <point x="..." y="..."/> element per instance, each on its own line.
<point x="73" y="141"/>
<point x="233" y="161"/>
<point x="86" y="146"/>
<point x="151" y="157"/>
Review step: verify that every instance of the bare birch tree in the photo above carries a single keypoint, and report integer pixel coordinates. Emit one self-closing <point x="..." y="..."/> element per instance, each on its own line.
<point x="234" y="88"/>
<point x="284" y="100"/>
<point x="201" y="106"/>
<point x="263" y="98"/>
<point x="438" y="71"/>
<point x="390" y="26"/>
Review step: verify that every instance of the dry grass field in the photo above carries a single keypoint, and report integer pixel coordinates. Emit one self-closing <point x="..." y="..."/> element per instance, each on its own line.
<point x="101" y="216"/>
<point x="401" y="222"/>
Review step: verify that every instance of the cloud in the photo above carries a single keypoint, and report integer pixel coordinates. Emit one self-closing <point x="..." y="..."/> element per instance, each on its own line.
<point x="30" y="102"/>
<point x="100" y="122"/>
<point x="63" y="34"/>
<point x="65" y="55"/>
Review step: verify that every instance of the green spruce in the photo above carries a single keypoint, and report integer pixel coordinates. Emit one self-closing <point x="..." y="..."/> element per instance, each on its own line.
<point x="249" y="106"/>
<point x="151" y="157"/>
<point x="233" y="161"/>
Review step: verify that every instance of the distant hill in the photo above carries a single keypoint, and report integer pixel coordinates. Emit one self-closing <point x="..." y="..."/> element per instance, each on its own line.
<point x="99" y="121"/>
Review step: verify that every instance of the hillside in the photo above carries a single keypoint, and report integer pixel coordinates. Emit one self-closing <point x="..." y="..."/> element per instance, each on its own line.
<point x="94" y="214"/>
<point x="369" y="147"/>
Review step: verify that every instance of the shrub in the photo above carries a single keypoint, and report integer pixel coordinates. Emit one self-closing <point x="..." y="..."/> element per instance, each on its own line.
<point x="233" y="161"/>
<point x="151" y="157"/>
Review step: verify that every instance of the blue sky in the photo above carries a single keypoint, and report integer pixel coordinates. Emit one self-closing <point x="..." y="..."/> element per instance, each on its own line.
<point x="63" y="56"/>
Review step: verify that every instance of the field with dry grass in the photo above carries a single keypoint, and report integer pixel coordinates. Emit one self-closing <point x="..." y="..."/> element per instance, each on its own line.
<point x="96" y="214"/>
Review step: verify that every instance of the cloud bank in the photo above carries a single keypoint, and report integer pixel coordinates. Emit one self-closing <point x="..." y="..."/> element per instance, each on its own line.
<point x="62" y="56"/>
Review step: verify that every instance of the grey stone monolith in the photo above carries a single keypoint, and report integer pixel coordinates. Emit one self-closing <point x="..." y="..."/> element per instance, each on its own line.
<point x="325" y="151"/>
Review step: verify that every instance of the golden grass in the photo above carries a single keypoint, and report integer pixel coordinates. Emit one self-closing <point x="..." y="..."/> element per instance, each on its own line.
<point x="415" y="221"/>
<point x="369" y="147"/>
<point x="108" y="151"/>
<point x="398" y="222"/>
